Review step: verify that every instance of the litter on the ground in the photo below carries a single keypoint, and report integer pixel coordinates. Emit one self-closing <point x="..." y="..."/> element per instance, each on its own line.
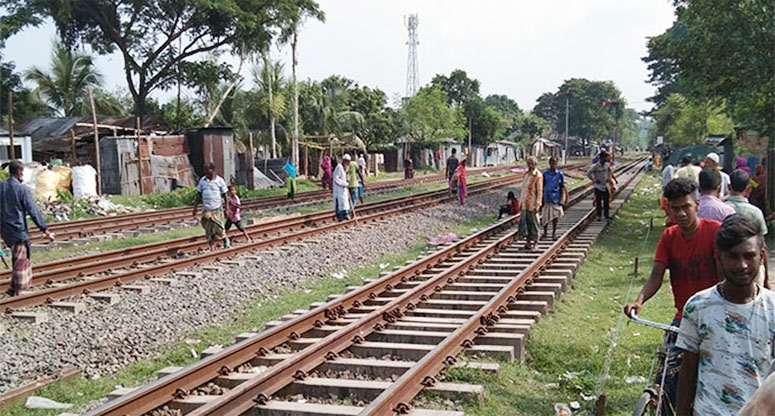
<point x="37" y="402"/>
<point x="562" y="409"/>
<point x="443" y="239"/>
<point x="384" y="266"/>
<point x="635" y="379"/>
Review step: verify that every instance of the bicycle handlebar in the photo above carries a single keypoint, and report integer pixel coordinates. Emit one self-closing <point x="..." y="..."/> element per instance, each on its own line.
<point x="664" y="327"/>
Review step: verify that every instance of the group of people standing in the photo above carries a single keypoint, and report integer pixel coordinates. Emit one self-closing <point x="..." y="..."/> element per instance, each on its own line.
<point x="714" y="248"/>
<point x="346" y="181"/>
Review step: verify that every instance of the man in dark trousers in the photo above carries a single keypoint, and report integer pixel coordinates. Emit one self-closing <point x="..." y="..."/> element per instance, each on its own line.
<point x="600" y="174"/>
<point x="15" y="204"/>
<point x="452" y="164"/>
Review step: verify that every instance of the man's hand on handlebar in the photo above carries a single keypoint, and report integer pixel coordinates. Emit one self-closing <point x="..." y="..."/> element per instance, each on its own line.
<point x="632" y="307"/>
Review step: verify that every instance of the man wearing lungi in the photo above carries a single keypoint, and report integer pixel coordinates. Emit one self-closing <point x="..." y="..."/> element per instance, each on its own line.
<point x="555" y="196"/>
<point x="15" y="204"/>
<point x="211" y="192"/>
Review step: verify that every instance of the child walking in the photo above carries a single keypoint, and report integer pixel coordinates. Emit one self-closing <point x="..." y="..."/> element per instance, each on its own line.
<point x="233" y="215"/>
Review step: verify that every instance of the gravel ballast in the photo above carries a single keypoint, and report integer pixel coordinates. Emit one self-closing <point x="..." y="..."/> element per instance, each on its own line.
<point x="105" y="338"/>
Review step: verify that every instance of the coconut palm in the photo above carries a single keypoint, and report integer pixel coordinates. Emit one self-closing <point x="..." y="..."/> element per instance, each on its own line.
<point x="271" y="84"/>
<point x="65" y="87"/>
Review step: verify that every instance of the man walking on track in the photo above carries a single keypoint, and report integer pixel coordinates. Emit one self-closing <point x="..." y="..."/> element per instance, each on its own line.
<point x="530" y="197"/>
<point x="15" y="204"/>
<point x="452" y="163"/>
<point x="600" y="175"/>
<point x="555" y="196"/>
<point x="341" y="192"/>
<point x="211" y="192"/>
<point x="688" y="250"/>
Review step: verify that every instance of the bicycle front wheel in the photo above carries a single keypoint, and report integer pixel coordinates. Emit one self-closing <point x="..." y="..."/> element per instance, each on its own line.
<point x="646" y="405"/>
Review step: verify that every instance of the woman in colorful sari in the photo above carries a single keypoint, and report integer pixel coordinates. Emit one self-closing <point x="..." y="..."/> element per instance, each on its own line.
<point x="460" y="177"/>
<point x="327" y="173"/>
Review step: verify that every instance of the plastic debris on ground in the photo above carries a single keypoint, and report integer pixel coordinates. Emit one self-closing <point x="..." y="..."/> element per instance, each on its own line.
<point x="92" y="205"/>
<point x="37" y="402"/>
<point x="443" y="239"/>
<point x="635" y="379"/>
<point x="340" y="275"/>
<point x="486" y="175"/>
<point x="384" y="266"/>
<point x="562" y="409"/>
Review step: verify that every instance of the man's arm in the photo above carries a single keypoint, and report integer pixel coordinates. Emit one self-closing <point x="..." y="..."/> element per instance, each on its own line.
<point x="687" y="383"/>
<point x="590" y="174"/>
<point x="197" y="201"/>
<point x="649" y="289"/>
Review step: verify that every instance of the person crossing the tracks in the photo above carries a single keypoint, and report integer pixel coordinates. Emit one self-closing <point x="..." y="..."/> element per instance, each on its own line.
<point x="460" y="179"/>
<point x="290" y="170"/>
<point x="688" y="250"/>
<point x="233" y="214"/>
<point x="711" y="207"/>
<point x="355" y="182"/>
<point x="363" y="166"/>
<point x="452" y="163"/>
<point x="341" y="193"/>
<point x="408" y="167"/>
<point x="600" y="175"/>
<point x="327" y="173"/>
<point x="727" y="331"/>
<point x="554" y="198"/>
<point x="530" y="197"/>
<point x="15" y="204"/>
<point x="211" y="192"/>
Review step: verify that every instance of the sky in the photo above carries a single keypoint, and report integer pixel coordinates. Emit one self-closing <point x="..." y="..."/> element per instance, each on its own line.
<point x="519" y="48"/>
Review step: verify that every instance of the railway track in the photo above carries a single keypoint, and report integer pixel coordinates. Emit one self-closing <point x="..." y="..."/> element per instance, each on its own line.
<point x="121" y="223"/>
<point x="373" y="349"/>
<point x="103" y="271"/>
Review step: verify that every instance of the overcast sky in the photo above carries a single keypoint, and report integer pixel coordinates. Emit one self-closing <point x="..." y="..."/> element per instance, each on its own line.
<point x="519" y="48"/>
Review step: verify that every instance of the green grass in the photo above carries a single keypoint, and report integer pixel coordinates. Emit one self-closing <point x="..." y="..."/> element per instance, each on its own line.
<point x="569" y="346"/>
<point x="249" y="317"/>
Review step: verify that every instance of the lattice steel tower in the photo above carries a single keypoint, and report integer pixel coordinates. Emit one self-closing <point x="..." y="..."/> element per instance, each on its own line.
<point x="412" y="77"/>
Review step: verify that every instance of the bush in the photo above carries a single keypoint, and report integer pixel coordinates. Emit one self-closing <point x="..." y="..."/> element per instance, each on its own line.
<point x="178" y="198"/>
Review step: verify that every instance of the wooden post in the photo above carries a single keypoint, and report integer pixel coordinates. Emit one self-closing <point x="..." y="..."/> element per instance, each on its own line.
<point x="96" y="142"/>
<point x="252" y="162"/>
<point x="306" y="161"/>
<point x="12" y="151"/>
<point x="72" y="145"/>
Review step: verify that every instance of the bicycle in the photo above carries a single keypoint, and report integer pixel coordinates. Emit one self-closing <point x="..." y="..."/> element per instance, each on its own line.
<point x="654" y="397"/>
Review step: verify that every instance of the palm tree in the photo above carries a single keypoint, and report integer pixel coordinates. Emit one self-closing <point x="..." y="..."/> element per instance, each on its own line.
<point x="65" y="87"/>
<point x="271" y="84"/>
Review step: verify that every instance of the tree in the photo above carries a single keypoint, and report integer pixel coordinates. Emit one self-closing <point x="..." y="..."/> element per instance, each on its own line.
<point x="529" y="126"/>
<point x="378" y="124"/>
<point x="65" y="86"/>
<point x="685" y="121"/>
<point x="721" y="50"/>
<point x="427" y="117"/>
<point x="25" y="104"/>
<point x="588" y="118"/>
<point x="458" y="87"/>
<point x="146" y="33"/>
<point x="509" y="109"/>
<point x="487" y="123"/>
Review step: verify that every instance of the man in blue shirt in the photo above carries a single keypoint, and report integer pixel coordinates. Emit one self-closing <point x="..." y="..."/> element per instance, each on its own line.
<point x="15" y="203"/>
<point x="554" y="193"/>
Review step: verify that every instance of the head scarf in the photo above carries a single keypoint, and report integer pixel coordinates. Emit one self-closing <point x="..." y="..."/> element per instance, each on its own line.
<point x="741" y="164"/>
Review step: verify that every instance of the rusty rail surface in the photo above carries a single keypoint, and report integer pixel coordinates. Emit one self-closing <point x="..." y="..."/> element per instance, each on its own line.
<point x="103" y="225"/>
<point x="260" y="387"/>
<point x="383" y="209"/>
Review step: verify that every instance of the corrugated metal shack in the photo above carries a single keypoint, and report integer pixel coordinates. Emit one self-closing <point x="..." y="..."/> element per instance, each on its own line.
<point x="213" y="145"/>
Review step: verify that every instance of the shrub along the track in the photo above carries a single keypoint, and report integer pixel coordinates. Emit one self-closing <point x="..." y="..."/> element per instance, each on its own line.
<point x="568" y="347"/>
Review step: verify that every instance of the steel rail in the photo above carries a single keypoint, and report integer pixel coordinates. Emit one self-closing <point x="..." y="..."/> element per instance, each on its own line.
<point x="396" y="399"/>
<point x="103" y="283"/>
<point x="102" y="225"/>
<point x="78" y="267"/>
<point x="161" y="391"/>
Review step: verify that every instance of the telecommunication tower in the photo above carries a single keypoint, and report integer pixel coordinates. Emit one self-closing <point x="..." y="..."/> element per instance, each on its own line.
<point x="412" y="81"/>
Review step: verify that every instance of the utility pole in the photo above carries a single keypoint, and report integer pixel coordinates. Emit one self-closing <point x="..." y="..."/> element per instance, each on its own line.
<point x="12" y="152"/>
<point x="295" y="140"/>
<point x="567" y="100"/>
<point x="97" y="142"/>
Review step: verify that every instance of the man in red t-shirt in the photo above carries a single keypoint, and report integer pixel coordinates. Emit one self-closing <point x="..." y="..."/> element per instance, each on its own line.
<point x="688" y="250"/>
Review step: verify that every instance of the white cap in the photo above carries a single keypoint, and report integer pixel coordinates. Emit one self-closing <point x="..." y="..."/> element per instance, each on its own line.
<point x="346" y="156"/>
<point x="713" y="156"/>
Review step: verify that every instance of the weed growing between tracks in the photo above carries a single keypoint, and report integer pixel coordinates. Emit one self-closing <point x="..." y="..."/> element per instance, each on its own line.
<point x="568" y="347"/>
<point x="250" y="317"/>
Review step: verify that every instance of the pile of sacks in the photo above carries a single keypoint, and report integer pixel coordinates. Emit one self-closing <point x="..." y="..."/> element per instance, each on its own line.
<point x="45" y="183"/>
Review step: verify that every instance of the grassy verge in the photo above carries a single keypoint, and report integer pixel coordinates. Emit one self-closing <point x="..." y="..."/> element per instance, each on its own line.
<point x="569" y="348"/>
<point x="250" y="317"/>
